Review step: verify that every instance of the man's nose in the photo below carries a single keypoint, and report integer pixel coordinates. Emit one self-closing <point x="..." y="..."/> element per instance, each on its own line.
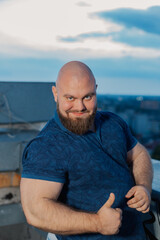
<point x="79" y="106"/>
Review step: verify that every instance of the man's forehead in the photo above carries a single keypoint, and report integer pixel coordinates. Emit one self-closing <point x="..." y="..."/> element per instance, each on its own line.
<point x="75" y="78"/>
<point x="73" y="86"/>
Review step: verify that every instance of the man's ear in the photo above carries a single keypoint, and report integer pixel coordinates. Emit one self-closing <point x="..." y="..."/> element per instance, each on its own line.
<point x="54" y="91"/>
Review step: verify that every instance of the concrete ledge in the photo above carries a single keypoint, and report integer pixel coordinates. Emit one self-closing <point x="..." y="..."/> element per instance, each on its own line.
<point x="11" y="214"/>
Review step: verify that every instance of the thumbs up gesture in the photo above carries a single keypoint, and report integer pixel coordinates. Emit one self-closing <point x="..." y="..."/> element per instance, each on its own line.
<point x="109" y="219"/>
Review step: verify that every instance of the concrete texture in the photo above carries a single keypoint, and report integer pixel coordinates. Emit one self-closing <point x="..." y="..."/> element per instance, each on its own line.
<point x="21" y="232"/>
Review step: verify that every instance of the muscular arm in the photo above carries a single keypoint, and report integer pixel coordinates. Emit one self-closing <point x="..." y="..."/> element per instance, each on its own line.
<point x="142" y="171"/>
<point x="141" y="166"/>
<point x="43" y="211"/>
<point x="39" y="201"/>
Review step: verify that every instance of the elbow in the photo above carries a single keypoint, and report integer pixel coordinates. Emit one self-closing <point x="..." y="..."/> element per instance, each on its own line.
<point x="31" y="218"/>
<point x="35" y="221"/>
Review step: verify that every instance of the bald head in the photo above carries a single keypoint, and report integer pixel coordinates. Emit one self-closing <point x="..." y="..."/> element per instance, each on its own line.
<point x="74" y="71"/>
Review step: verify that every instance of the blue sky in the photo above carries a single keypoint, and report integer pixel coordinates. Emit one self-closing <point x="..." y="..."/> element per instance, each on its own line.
<point x="120" y="42"/>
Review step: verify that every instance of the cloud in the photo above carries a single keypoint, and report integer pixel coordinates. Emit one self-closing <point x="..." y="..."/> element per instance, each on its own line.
<point x="118" y="40"/>
<point x="83" y="4"/>
<point x="34" y="22"/>
<point x="140" y="28"/>
<point x="83" y="48"/>
<point x="84" y="36"/>
<point x="2" y="1"/>
<point x="66" y="33"/>
<point x="137" y="38"/>
<point x="133" y="37"/>
<point x="146" y="20"/>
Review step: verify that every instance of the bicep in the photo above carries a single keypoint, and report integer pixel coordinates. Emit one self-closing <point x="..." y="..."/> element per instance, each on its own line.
<point x="33" y="190"/>
<point x="135" y="152"/>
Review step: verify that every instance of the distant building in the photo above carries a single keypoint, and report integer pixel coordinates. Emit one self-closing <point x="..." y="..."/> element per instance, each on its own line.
<point x="141" y="125"/>
<point x="150" y="105"/>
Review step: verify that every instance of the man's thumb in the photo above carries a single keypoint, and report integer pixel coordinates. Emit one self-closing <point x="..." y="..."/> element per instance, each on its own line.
<point x="130" y="193"/>
<point x="110" y="200"/>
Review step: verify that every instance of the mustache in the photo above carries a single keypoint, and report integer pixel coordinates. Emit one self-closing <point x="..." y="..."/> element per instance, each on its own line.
<point x="72" y="111"/>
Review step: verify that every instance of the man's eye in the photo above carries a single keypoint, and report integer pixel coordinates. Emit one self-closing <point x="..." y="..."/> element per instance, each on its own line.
<point x="70" y="98"/>
<point x="88" y="97"/>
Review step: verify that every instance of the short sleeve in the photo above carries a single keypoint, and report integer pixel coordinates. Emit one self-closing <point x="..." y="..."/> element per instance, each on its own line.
<point x="130" y="139"/>
<point x="42" y="160"/>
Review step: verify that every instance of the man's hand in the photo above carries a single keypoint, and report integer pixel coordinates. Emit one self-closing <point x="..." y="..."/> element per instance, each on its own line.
<point x="140" y="198"/>
<point x="109" y="219"/>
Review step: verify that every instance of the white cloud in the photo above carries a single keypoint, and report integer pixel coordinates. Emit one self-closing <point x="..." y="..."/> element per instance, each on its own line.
<point x="32" y="28"/>
<point x="87" y="48"/>
<point x="103" y="5"/>
<point x="41" y="21"/>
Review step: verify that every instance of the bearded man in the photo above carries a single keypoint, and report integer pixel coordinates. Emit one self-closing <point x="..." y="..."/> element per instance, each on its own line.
<point x="85" y="176"/>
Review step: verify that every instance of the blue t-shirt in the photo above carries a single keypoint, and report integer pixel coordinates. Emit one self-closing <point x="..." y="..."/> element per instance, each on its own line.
<point x="91" y="166"/>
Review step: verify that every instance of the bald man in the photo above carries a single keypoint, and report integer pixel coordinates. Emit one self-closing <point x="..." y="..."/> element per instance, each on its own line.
<point x="85" y="176"/>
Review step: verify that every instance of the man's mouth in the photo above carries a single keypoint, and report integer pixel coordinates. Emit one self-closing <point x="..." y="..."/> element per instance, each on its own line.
<point x="78" y="113"/>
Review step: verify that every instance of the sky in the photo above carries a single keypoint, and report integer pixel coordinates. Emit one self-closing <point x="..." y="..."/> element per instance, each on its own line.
<point x="119" y="40"/>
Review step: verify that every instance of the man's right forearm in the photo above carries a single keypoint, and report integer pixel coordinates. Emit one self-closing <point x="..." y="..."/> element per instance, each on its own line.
<point x="52" y="216"/>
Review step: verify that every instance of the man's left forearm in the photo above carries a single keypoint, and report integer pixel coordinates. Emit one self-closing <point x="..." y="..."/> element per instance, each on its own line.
<point x="141" y="167"/>
<point x="142" y="170"/>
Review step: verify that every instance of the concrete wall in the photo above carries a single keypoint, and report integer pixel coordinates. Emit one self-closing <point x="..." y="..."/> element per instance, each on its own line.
<point x="21" y="232"/>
